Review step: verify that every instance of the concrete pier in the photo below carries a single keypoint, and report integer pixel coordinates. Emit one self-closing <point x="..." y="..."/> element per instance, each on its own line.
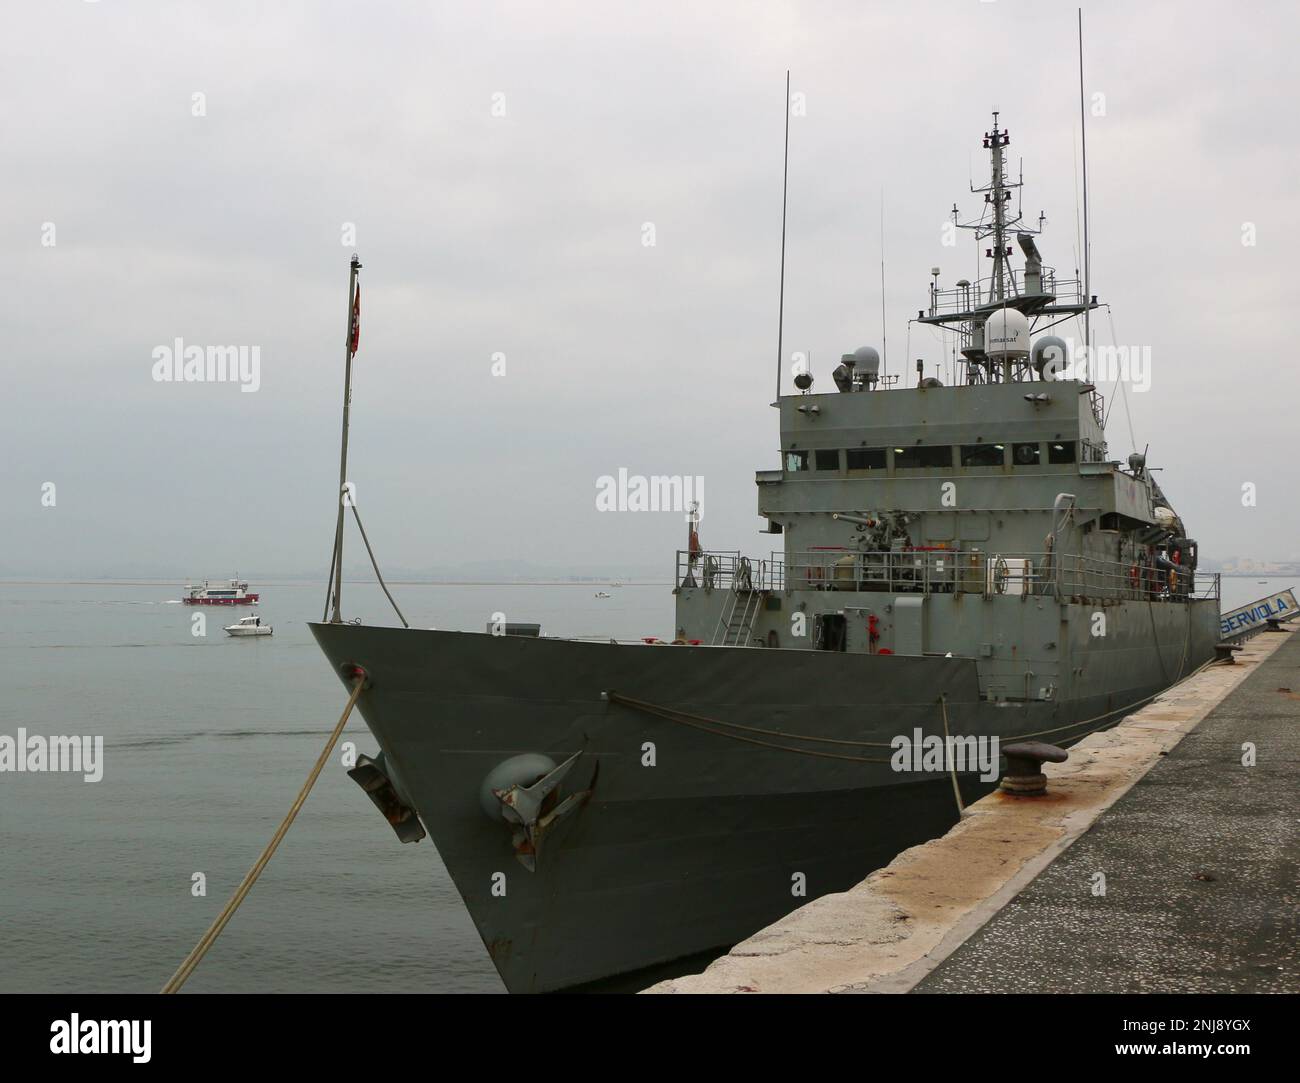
<point x="1198" y="856"/>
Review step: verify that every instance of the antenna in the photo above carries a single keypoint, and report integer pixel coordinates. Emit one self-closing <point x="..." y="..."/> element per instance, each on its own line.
<point x="884" y="341"/>
<point x="785" y="187"/>
<point x="1087" y="279"/>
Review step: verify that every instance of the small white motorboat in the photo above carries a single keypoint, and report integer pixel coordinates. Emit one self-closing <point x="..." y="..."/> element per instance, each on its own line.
<point x="248" y="626"/>
<point x="602" y="594"/>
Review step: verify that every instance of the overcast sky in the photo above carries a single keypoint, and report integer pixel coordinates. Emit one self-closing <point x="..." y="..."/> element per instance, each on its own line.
<point x="522" y="234"/>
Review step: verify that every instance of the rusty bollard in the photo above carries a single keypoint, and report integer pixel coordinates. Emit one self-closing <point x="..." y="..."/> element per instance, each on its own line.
<point x="1025" y="760"/>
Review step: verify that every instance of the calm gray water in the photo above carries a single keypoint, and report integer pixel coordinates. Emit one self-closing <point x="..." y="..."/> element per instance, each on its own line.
<point x="207" y="741"/>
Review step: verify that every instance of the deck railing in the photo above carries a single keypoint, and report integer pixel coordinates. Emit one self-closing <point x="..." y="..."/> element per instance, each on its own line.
<point x="725" y="568"/>
<point x="948" y="571"/>
<point x="954" y="300"/>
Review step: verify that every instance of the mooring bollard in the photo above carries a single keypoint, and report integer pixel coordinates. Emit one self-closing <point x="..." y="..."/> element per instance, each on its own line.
<point x="1024" y="776"/>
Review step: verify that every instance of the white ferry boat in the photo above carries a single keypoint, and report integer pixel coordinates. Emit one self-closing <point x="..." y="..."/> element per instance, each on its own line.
<point x="231" y="592"/>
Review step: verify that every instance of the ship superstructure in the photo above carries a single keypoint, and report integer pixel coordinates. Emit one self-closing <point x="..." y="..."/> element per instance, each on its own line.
<point x="983" y="520"/>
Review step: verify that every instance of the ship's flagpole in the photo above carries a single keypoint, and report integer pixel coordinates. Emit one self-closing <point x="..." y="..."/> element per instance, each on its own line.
<point x="350" y="348"/>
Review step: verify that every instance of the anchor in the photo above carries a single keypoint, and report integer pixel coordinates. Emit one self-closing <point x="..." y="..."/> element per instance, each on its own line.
<point x="533" y="810"/>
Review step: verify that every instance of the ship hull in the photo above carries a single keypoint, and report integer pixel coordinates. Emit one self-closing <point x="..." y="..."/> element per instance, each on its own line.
<point x="684" y="838"/>
<point x="248" y="599"/>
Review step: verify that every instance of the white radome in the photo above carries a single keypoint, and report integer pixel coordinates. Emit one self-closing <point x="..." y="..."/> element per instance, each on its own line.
<point x="1006" y="334"/>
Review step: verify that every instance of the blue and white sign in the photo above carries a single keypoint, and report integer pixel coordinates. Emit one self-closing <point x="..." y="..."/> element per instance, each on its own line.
<point x="1280" y="606"/>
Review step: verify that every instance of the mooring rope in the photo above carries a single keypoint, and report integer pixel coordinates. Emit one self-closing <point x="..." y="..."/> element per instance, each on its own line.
<point x="1155" y="638"/>
<point x="214" y="930"/>
<point x="952" y="760"/>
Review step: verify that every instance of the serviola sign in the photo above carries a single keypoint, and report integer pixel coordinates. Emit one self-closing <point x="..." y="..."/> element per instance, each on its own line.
<point x="1279" y="606"/>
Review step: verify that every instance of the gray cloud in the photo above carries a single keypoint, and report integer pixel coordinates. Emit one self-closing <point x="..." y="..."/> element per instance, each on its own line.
<point x="521" y="234"/>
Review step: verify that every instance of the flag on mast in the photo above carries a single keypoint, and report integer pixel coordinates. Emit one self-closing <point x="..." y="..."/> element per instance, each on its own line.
<point x="354" y="332"/>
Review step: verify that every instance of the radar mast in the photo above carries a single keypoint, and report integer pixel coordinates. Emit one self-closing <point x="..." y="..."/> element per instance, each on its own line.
<point x="1035" y="293"/>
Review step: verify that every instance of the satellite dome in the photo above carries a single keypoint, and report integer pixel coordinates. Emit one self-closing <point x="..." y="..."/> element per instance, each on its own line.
<point x="1050" y="353"/>
<point x="1006" y="334"/>
<point x="866" y="359"/>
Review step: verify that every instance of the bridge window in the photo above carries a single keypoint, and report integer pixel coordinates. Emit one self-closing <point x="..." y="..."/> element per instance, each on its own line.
<point x="796" y="461"/>
<point x="921" y="457"/>
<point x="1025" y="454"/>
<point x="826" y="460"/>
<point x="983" y="454"/>
<point x="865" y="458"/>
<point x="1058" y="452"/>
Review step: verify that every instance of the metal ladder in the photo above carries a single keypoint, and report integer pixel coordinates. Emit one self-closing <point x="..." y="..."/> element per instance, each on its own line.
<point x="736" y="621"/>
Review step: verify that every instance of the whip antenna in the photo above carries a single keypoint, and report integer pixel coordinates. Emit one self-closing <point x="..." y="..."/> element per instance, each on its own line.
<point x="884" y="340"/>
<point x="785" y="187"/>
<point x="1087" y="279"/>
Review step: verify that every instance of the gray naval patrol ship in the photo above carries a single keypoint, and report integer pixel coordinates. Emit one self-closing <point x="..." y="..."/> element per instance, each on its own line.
<point x="963" y="561"/>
